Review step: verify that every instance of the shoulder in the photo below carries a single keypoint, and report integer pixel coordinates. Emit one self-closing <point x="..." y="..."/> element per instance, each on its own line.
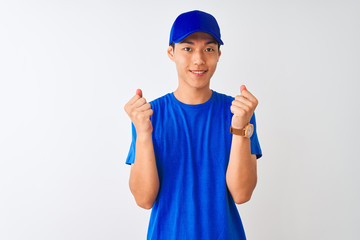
<point x="223" y="98"/>
<point x="160" y="101"/>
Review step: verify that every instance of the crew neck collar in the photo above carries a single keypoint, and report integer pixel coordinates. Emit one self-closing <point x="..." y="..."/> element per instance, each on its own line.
<point x="194" y="106"/>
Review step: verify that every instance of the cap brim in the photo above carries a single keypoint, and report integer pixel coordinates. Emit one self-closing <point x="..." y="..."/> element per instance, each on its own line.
<point x="179" y="39"/>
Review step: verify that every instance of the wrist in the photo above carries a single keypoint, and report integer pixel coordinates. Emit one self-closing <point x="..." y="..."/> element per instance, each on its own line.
<point x="246" y="131"/>
<point x="143" y="136"/>
<point x="238" y="123"/>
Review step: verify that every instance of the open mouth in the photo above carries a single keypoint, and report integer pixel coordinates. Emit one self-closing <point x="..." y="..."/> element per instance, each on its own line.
<point x="198" y="72"/>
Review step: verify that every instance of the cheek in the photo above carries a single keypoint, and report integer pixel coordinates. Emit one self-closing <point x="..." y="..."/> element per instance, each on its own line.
<point x="213" y="63"/>
<point x="181" y="62"/>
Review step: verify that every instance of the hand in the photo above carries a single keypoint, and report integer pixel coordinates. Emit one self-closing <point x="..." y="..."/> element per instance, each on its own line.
<point x="140" y="112"/>
<point x="243" y="108"/>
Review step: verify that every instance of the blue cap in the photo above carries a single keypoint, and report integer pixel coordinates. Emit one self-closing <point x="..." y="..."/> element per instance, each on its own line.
<point x="194" y="21"/>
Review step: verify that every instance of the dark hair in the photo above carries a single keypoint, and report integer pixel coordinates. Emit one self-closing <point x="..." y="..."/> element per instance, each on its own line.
<point x="173" y="45"/>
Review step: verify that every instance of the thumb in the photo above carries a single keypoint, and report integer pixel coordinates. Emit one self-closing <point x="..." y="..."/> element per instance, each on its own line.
<point x="242" y="88"/>
<point x="139" y="92"/>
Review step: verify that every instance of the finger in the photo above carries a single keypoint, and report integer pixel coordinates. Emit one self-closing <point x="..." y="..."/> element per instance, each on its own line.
<point x="134" y="99"/>
<point x="237" y="111"/>
<point x="139" y="92"/>
<point x="144" y="107"/>
<point x="139" y="102"/>
<point x="148" y="113"/>
<point x="242" y="87"/>
<point x="241" y="105"/>
<point x="245" y="93"/>
<point x="243" y="100"/>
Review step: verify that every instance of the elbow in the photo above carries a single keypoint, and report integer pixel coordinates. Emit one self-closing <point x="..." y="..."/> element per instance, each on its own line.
<point x="144" y="204"/>
<point x="144" y="189"/>
<point x="243" y="198"/>
<point x="242" y="195"/>
<point x="144" y="198"/>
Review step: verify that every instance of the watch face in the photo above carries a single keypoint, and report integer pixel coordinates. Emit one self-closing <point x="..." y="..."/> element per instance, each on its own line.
<point x="250" y="130"/>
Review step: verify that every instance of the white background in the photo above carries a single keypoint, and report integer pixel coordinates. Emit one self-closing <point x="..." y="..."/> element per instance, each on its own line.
<point x="67" y="68"/>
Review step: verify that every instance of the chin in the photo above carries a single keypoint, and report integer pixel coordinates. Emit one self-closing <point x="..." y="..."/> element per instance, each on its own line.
<point x="200" y="86"/>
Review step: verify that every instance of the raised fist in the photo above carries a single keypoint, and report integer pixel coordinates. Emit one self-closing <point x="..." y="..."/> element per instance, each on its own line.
<point x="243" y="108"/>
<point x="139" y="112"/>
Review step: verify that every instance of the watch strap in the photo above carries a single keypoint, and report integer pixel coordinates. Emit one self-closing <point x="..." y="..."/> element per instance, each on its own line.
<point x="236" y="131"/>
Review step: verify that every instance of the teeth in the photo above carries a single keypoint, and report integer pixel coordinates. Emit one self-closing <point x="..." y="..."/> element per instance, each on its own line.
<point x="198" y="72"/>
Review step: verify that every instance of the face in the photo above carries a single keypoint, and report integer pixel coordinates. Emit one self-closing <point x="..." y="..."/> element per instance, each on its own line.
<point x="196" y="58"/>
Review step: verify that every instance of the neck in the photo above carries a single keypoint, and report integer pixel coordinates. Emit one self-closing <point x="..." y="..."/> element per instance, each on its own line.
<point x="194" y="96"/>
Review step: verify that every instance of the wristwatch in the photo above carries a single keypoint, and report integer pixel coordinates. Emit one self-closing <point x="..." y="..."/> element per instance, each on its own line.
<point x="247" y="131"/>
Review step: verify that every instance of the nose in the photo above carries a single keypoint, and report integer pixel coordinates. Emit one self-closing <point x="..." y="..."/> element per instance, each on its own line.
<point x="198" y="58"/>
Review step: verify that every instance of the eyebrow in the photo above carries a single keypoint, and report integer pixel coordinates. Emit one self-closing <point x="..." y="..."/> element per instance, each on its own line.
<point x="192" y="43"/>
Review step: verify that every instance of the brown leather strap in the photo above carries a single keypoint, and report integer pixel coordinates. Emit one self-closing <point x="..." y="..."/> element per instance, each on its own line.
<point x="236" y="131"/>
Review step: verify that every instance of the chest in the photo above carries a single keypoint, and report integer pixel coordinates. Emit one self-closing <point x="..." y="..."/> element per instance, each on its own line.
<point x="192" y="141"/>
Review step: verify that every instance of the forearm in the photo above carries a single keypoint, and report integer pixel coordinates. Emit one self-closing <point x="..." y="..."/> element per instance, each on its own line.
<point x="241" y="174"/>
<point x="144" y="179"/>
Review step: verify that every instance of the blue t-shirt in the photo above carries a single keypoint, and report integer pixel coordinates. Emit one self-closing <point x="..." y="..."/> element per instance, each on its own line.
<point x="192" y="148"/>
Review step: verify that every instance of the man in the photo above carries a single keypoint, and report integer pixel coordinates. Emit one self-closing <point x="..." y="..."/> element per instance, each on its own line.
<point x="194" y="151"/>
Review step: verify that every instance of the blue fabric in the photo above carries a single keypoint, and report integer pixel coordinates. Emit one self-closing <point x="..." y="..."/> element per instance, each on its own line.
<point x="192" y="148"/>
<point x="194" y="21"/>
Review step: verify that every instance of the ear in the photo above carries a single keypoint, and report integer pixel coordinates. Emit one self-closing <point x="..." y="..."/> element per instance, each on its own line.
<point x="170" y="53"/>
<point x="219" y="54"/>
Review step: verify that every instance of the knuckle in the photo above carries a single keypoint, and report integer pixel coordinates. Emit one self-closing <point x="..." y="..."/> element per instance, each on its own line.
<point x="138" y="116"/>
<point x="141" y="101"/>
<point x="136" y="97"/>
<point x="132" y="114"/>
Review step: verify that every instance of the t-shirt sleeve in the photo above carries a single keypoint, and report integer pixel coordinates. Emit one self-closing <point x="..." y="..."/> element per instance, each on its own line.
<point x="131" y="155"/>
<point x="254" y="141"/>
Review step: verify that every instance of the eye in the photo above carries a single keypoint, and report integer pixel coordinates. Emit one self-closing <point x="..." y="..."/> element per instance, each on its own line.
<point x="209" y="50"/>
<point x="187" y="49"/>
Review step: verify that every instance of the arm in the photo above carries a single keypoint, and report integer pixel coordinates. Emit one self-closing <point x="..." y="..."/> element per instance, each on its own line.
<point x="144" y="180"/>
<point x="241" y="174"/>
